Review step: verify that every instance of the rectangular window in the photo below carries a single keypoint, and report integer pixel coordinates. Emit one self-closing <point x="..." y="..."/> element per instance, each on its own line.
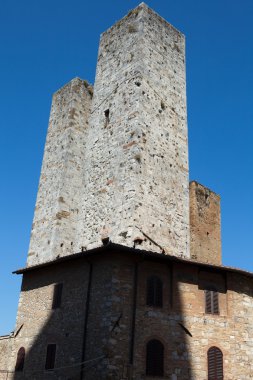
<point x="50" y="358"/>
<point x="211" y="301"/>
<point x="154" y="291"/>
<point x="57" y="296"/>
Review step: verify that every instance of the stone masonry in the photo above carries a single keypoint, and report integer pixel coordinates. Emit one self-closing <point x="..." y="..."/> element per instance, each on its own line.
<point x="122" y="175"/>
<point x="57" y="217"/>
<point x="205" y="224"/>
<point x="113" y="211"/>
<point x="118" y="322"/>
<point x="136" y="165"/>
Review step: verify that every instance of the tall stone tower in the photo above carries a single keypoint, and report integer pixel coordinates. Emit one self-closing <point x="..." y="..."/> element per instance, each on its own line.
<point x="124" y="176"/>
<point x="137" y="155"/>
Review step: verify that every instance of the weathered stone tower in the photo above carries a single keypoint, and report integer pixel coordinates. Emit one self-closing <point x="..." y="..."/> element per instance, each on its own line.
<point x="55" y="230"/>
<point x="137" y="154"/>
<point x="110" y="291"/>
<point x="124" y="176"/>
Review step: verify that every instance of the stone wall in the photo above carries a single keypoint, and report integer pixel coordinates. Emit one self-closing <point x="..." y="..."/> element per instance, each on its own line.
<point x="114" y="328"/>
<point x="125" y="177"/>
<point x="43" y="325"/>
<point x="205" y="226"/>
<point x="5" y="353"/>
<point x="136" y="164"/>
<point x="57" y="216"/>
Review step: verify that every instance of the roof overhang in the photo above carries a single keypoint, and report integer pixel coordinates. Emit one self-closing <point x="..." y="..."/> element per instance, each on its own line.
<point x="154" y="256"/>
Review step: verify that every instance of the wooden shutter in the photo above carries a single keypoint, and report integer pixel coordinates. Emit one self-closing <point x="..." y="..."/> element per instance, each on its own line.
<point x="154" y="358"/>
<point x="215" y="364"/>
<point x="211" y="301"/>
<point x="50" y="358"/>
<point x="154" y="291"/>
<point x="208" y="299"/>
<point x="57" y="296"/>
<point x="20" y="360"/>
<point x="215" y="302"/>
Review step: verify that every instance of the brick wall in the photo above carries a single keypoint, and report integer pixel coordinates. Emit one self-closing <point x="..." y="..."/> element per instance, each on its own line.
<point x="114" y="329"/>
<point x="205" y="225"/>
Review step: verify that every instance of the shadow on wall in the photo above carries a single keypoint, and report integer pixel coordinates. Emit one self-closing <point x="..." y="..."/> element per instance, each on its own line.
<point x="114" y="317"/>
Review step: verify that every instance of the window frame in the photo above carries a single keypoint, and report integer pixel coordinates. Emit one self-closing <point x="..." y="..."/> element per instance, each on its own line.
<point x="50" y="357"/>
<point x="212" y="301"/>
<point x="152" y="368"/>
<point x="154" y="291"/>
<point x="57" y="296"/>
<point x="20" y="361"/>
<point x="215" y="363"/>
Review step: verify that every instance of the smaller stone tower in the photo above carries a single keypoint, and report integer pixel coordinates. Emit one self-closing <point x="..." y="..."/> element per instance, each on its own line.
<point x="205" y="224"/>
<point x="55" y="229"/>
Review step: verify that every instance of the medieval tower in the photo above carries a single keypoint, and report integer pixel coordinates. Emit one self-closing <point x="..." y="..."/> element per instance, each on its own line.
<point x="116" y="167"/>
<point x="124" y="279"/>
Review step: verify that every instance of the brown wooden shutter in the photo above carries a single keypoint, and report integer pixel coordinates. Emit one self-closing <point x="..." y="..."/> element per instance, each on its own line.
<point x="208" y="299"/>
<point x="154" y="358"/>
<point x="57" y="296"/>
<point x="50" y="358"/>
<point x="215" y="302"/>
<point x="211" y="301"/>
<point x="215" y="364"/>
<point x="20" y="360"/>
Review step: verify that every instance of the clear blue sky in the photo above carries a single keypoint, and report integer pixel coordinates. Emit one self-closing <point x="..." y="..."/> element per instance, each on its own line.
<point x="46" y="43"/>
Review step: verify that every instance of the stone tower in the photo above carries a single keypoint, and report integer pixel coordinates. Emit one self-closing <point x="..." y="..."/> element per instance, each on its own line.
<point x="137" y="155"/>
<point x="205" y="224"/>
<point x="115" y="169"/>
<point x="124" y="176"/>
<point x="55" y="229"/>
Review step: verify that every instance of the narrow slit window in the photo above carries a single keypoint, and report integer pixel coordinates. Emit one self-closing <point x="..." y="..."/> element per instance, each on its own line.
<point x="211" y="301"/>
<point x="20" y="360"/>
<point x="154" y="358"/>
<point x="154" y="291"/>
<point x="57" y="296"/>
<point x="107" y="114"/>
<point x="50" y="358"/>
<point x="215" y="364"/>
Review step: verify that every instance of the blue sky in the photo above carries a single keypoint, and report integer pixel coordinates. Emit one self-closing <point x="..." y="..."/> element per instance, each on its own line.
<point x="47" y="43"/>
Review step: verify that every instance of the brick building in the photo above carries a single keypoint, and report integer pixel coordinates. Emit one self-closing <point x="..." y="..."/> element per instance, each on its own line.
<point x="124" y="278"/>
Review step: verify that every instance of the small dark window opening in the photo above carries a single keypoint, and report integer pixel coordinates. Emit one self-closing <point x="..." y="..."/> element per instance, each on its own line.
<point x="211" y="301"/>
<point x="20" y="360"/>
<point x="57" y="296"/>
<point x="50" y="358"/>
<point x="106" y="241"/>
<point x="154" y="291"/>
<point x="215" y="364"/>
<point x="154" y="358"/>
<point x="107" y="113"/>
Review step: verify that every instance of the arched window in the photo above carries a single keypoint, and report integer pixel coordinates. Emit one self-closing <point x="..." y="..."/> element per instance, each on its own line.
<point x="211" y="301"/>
<point x="20" y="360"/>
<point x="154" y="291"/>
<point x="215" y="364"/>
<point x="154" y="358"/>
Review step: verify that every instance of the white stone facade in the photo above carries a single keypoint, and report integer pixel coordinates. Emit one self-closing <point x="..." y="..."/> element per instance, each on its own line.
<point x="124" y="175"/>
